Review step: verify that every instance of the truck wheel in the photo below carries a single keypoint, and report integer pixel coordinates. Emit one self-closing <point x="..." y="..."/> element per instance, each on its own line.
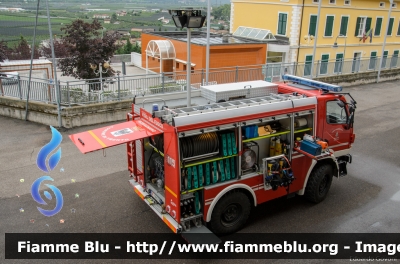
<point x="319" y="183"/>
<point x="231" y="213"/>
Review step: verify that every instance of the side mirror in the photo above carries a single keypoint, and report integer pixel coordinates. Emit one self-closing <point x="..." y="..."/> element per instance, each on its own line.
<point x="350" y="120"/>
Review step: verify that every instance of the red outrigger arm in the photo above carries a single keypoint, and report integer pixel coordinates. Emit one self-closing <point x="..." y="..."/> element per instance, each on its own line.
<point x="114" y="135"/>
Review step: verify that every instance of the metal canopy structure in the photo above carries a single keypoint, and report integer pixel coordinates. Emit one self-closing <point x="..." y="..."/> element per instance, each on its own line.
<point x="254" y="33"/>
<point x="160" y="49"/>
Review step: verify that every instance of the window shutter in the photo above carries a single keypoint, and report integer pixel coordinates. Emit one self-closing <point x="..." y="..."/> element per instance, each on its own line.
<point x="329" y="26"/>
<point x="391" y="21"/>
<point x="282" y="24"/>
<point x="343" y="26"/>
<point x="378" y="26"/>
<point x="313" y="25"/>
<point x="279" y="24"/>
<point x="398" y="30"/>
<point x="368" y="24"/>
<point x="357" y="26"/>
<point x="338" y="63"/>
<point x="325" y="58"/>
<point x="372" y="61"/>
<point x="339" y="56"/>
<point x="307" y="66"/>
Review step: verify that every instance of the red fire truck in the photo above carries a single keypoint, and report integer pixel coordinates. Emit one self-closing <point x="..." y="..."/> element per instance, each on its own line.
<point x="237" y="146"/>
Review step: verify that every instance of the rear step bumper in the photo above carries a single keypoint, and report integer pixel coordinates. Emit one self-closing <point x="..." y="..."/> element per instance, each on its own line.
<point x="146" y="197"/>
<point x="197" y="235"/>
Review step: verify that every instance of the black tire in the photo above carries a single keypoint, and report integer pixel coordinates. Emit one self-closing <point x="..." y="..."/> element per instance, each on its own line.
<point x="231" y="213"/>
<point x="319" y="183"/>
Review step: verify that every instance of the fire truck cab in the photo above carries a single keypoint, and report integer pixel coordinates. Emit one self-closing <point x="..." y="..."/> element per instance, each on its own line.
<point x="237" y="146"/>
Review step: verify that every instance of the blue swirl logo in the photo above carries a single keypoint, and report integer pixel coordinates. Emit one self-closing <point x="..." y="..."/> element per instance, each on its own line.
<point x="53" y="160"/>
<point x="36" y="196"/>
<point x="47" y="149"/>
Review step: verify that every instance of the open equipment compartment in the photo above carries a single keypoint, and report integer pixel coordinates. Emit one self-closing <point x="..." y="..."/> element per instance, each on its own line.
<point x="208" y="157"/>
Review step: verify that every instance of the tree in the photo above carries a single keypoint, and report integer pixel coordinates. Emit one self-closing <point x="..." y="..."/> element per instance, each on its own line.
<point x="60" y="49"/>
<point x="128" y="48"/>
<point x="4" y="51"/>
<point x="114" y="18"/>
<point x="85" y="47"/>
<point x="137" y="48"/>
<point x="22" y="51"/>
<point x="222" y="12"/>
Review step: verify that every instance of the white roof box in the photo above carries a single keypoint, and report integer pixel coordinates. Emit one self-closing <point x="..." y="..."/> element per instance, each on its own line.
<point x="235" y="91"/>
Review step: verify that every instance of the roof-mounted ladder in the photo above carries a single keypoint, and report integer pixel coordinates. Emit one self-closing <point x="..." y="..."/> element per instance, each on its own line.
<point x="312" y="83"/>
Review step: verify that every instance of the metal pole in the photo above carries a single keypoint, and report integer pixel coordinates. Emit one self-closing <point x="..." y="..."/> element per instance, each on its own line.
<point x="315" y="38"/>
<point x="344" y="55"/>
<point x="188" y="68"/>
<point x="68" y="95"/>
<point x="147" y="64"/>
<point x="208" y="40"/>
<point x="162" y="81"/>
<point x="119" y="87"/>
<point x="19" y="87"/>
<point x="31" y="66"/>
<point x="101" y="77"/>
<point x="236" y="74"/>
<point x="384" y="42"/>
<point x="54" y="66"/>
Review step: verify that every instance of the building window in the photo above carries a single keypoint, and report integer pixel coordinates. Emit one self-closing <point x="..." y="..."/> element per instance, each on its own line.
<point x="343" y="25"/>
<point x="363" y="25"/>
<point x="394" y="60"/>
<point x="307" y="66"/>
<point x="282" y="24"/>
<point x="347" y="2"/>
<point x="398" y="30"/>
<point x="313" y="25"/>
<point x="329" y="26"/>
<point x="394" y="5"/>
<point x="332" y="2"/>
<point x="382" y="4"/>
<point x="338" y="63"/>
<point x="324" y="64"/>
<point x="385" y="55"/>
<point x="372" y="61"/>
<point x="315" y="1"/>
<point x="378" y="26"/>
<point x="390" y="29"/>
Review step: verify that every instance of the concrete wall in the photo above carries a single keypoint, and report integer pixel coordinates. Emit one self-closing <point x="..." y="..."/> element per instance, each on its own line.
<point x="136" y="59"/>
<point x="116" y="111"/>
<point x="70" y="116"/>
<point x="361" y="78"/>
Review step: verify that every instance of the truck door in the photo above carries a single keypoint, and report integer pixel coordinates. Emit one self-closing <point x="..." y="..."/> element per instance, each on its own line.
<point x="335" y="130"/>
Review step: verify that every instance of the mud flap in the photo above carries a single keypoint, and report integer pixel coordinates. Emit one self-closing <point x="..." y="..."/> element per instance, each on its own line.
<point x="200" y="235"/>
<point x="342" y="162"/>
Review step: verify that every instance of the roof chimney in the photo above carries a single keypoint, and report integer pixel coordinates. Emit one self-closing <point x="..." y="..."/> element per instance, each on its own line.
<point x="225" y="38"/>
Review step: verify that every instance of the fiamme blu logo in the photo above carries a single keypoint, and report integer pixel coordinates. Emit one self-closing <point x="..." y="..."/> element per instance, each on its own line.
<point x="47" y="163"/>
